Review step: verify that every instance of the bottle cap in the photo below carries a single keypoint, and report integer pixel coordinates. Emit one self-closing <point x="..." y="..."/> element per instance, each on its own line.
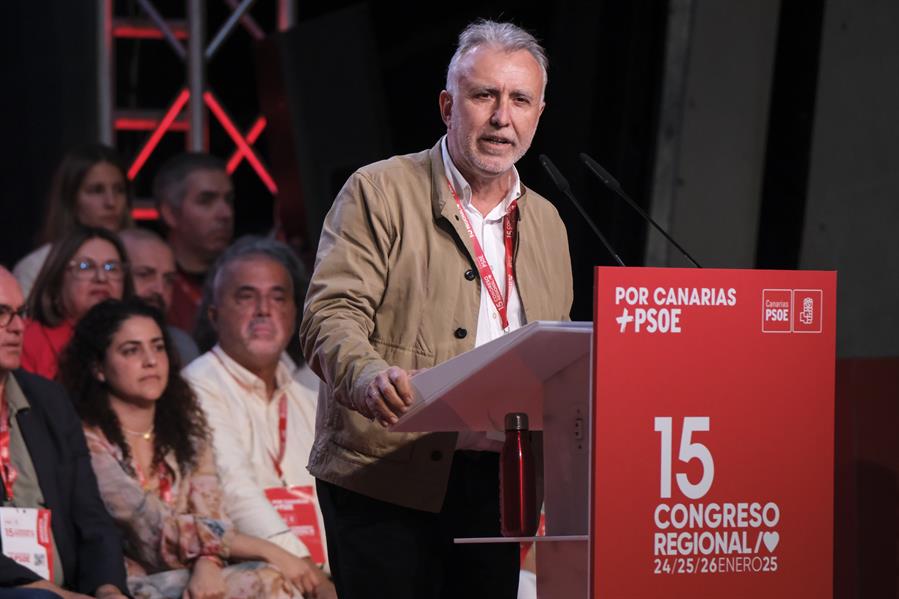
<point x="516" y="421"/>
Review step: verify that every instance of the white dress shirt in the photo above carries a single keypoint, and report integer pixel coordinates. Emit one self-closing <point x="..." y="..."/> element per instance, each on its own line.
<point x="489" y="232"/>
<point x="244" y="425"/>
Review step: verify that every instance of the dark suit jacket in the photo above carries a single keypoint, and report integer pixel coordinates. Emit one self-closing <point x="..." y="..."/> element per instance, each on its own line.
<point x="89" y="544"/>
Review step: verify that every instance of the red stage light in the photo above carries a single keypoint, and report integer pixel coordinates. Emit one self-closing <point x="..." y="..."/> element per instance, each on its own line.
<point x="239" y="140"/>
<point x="144" y="214"/>
<point x="146" y="124"/>
<point x="164" y="124"/>
<point x="146" y="32"/>
<point x="252" y="135"/>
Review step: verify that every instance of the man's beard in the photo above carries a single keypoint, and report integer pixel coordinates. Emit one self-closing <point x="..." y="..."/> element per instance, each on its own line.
<point x="155" y="300"/>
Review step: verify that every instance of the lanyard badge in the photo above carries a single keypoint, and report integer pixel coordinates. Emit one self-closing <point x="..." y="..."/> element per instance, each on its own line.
<point x="510" y="224"/>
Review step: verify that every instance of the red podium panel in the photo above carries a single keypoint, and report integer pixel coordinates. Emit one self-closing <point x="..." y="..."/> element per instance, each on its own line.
<point x="713" y="434"/>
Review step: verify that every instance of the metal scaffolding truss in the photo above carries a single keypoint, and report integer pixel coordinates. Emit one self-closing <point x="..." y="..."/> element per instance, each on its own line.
<point x="187" y="39"/>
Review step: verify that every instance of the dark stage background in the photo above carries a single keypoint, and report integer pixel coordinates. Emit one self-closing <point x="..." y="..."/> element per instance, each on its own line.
<point x="601" y="99"/>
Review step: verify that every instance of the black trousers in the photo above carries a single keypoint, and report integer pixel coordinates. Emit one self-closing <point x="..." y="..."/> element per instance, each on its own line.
<point x="379" y="549"/>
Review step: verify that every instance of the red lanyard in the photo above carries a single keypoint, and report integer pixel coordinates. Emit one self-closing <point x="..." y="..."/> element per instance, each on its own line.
<point x="165" y="481"/>
<point x="8" y="471"/>
<point x="510" y="223"/>
<point x="282" y="436"/>
<point x="282" y="423"/>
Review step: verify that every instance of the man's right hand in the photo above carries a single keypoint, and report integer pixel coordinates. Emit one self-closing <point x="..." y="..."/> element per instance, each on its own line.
<point x="388" y="396"/>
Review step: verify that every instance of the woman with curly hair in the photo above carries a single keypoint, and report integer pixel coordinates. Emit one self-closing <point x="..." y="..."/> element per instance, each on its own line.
<point x="150" y="450"/>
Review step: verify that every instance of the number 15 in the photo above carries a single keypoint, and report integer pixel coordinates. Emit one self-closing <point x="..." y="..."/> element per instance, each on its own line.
<point x="688" y="451"/>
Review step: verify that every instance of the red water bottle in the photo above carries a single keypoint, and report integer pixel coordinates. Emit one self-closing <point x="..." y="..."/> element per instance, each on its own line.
<point x="517" y="479"/>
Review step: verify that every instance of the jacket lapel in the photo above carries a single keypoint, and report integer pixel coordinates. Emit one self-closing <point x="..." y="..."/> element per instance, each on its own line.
<point x="525" y="239"/>
<point x="444" y="208"/>
<point x="38" y="437"/>
<point x="41" y="457"/>
<point x="442" y="203"/>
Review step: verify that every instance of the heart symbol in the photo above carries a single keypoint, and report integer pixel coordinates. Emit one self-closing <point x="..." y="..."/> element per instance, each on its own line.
<point x="771" y="539"/>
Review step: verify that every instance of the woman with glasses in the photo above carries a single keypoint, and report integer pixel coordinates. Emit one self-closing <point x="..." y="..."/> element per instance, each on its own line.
<point x="150" y="449"/>
<point x="84" y="268"/>
<point x="90" y="189"/>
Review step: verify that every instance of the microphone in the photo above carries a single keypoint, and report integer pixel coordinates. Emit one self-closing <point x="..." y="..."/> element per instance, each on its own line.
<point x="562" y="183"/>
<point x="613" y="184"/>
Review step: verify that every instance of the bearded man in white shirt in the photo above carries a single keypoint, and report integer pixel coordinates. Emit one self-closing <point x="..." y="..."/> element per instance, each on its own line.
<point x="259" y="405"/>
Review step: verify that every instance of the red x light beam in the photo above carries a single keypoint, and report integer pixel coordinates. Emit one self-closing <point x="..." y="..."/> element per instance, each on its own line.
<point x="157" y="134"/>
<point x="252" y="135"/>
<point x="242" y="145"/>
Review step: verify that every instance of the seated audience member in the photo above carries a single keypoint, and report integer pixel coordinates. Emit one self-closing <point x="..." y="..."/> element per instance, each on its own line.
<point x="45" y="464"/>
<point x="152" y="268"/>
<point x="150" y="450"/>
<point x="83" y="269"/>
<point x="205" y="334"/>
<point x="89" y="189"/>
<point x="261" y="408"/>
<point x="195" y="197"/>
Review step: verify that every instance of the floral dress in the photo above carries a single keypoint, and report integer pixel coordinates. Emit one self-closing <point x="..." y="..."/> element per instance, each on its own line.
<point x="169" y="525"/>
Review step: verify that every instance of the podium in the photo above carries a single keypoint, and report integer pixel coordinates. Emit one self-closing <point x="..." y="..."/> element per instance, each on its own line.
<point x="687" y="433"/>
<point x="542" y="369"/>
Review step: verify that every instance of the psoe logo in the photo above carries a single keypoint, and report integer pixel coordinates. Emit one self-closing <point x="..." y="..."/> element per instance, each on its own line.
<point x="807" y="315"/>
<point x="777" y="308"/>
<point x="792" y="310"/>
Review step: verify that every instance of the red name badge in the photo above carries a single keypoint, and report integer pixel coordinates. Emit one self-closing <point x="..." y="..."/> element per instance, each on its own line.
<point x="27" y="539"/>
<point x="296" y="506"/>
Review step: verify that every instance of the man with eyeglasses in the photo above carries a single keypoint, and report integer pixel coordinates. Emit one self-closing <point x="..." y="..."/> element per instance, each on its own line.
<point x="45" y="472"/>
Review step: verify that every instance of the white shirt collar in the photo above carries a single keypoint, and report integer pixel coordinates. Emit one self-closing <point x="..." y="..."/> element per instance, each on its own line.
<point x="247" y="379"/>
<point x="461" y="185"/>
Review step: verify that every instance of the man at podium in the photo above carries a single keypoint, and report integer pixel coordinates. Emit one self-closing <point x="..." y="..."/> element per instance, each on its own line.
<point x="423" y="257"/>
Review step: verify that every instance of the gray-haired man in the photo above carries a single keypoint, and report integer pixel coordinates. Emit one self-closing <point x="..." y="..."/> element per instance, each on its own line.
<point x="260" y="407"/>
<point x="411" y="270"/>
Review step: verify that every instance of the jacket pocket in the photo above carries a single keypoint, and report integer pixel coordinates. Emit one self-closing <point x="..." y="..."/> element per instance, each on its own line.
<point x="358" y="435"/>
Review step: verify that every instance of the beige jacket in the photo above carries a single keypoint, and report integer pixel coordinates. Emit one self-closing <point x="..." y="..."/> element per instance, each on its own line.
<point x="390" y="288"/>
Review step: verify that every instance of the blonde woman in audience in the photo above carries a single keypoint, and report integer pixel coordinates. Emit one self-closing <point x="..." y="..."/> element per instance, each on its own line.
<point x="90" y="188"/>
<point x="150" y="449"/>
<point x="84" y="268"/>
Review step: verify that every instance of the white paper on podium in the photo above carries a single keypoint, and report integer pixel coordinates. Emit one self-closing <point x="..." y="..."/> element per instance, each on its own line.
<point x="475" y="390"/>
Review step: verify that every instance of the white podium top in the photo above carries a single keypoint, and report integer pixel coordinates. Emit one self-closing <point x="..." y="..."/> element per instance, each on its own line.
<point x="475" y="390"/>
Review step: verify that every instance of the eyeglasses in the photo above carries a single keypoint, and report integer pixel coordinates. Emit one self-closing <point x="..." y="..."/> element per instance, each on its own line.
<point x="86" y="269"/>
<point x="7" y="314"/>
